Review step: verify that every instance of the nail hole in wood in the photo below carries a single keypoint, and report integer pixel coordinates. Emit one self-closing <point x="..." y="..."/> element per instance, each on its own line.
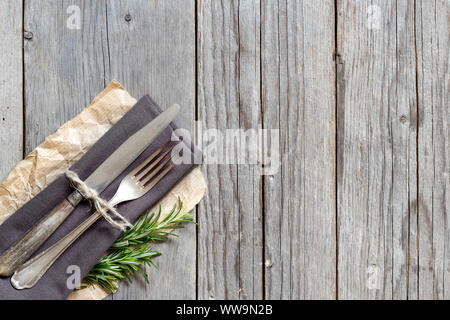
<point x="28" y="35"/>
<point x="403" y="119"/>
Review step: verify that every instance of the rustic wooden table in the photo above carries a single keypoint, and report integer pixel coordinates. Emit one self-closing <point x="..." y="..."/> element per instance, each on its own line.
<point x="358" y="89"/>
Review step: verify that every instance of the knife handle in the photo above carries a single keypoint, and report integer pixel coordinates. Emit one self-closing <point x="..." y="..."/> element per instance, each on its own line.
<point x="16" y="255"/>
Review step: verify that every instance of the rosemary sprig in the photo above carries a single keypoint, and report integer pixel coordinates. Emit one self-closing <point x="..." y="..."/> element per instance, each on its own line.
<point x="133" y="250"/>
<point x="150" y="229"/>
<point x="121" y="264"/>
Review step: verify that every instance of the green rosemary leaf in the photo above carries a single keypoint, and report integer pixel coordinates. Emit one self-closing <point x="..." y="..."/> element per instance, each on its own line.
<point x="132" y="252"/>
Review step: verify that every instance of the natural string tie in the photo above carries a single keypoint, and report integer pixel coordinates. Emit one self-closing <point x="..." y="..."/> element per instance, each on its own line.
<point x="101" y="205"/>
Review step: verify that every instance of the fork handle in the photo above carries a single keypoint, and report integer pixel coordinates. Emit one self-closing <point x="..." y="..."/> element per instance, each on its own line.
<point x="32" y="271"/>
<point x="12" y="258"/>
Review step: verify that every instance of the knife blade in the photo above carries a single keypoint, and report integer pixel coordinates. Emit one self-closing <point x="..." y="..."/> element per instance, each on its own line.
<point x="106" y="172"/>
<point x="117" y="162"/>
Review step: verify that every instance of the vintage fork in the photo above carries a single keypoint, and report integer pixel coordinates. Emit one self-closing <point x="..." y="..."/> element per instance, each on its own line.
<point x="136" y="184"/>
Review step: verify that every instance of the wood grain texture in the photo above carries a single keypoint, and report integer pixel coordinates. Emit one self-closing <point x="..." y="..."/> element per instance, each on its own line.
<point x="151" y="50"/>
<point x="64" y="68"/>
<point x="230" y="231"/>
<point x="359" y="207"/>
<point x="298" y="97"/>
<point x="376" y="150"/>
<point x="11" y="85"/>
<point x="433" y="231"/>
<point x="249" y="179"/>
<point x="404" y="136"/>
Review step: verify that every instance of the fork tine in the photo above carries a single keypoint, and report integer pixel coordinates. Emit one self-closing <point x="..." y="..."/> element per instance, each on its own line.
<point x="147" y="161"/>
<point x="153" y="164"/>
<point x="159" y="177"/>
<point x="155" y="171"/>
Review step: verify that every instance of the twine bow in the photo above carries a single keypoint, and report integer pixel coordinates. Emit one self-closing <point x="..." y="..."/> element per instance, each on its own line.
<point x="102" y="206"/>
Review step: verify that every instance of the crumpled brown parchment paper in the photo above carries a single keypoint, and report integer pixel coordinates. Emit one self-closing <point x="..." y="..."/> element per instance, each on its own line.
<point x="63" y="148"/>
<point x="66" y="146"/>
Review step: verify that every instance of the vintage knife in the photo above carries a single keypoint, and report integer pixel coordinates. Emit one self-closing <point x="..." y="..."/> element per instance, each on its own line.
<point x="115" y="164"/>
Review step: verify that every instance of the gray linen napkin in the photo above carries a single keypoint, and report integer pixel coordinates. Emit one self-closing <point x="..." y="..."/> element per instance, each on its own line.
<point x="87" y="250"/>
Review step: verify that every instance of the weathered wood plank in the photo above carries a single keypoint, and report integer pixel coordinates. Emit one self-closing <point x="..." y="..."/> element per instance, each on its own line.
<point x="249" y="179"/>
<point x="151" y="49"/>
<point x="405" y="157"/>
<point x="11" y="85"/>
<point x="64" y="65"/>
<point x="230" y="231"/>
<point x="376" y="147"/>
<point x="298" y="97"/>
<point x="433" y="56"/>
